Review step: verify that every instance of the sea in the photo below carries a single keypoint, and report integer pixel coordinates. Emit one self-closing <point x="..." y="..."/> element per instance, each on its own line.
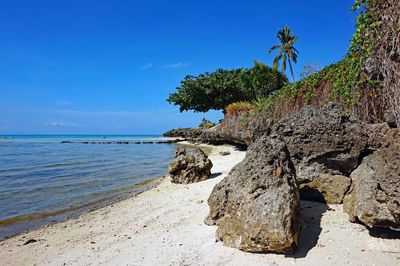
<point x="49" y="178"/>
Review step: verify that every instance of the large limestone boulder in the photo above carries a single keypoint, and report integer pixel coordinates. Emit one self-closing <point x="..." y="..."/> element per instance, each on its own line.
<point x="190" y="166"/>
<point x="325" y="188"/>
<point x="256" y="207"/>
<point x="323" y="141"/>
<point x="374" y="198"/>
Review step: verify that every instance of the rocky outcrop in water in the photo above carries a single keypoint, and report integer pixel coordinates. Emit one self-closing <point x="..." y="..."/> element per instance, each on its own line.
<point x="256" y="207"/>
<point x="374" y="198"/>
<point x="190" y="166"/>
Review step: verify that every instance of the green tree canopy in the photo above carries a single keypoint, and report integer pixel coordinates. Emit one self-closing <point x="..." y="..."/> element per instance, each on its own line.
<point x="217" y="89"/>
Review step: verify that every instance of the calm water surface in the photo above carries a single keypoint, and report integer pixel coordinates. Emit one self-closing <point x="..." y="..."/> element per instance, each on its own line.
<point x="42" y="180"/>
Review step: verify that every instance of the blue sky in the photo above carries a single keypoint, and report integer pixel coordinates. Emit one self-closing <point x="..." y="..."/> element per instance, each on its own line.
<point x="106" y="67"/>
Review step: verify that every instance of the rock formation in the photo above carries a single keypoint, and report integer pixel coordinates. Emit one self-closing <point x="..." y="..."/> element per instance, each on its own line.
<point x="233" y="128"/>
<point x="256" y="207"/>
<point x="190" y="166"/>
<point x="325" y="188"/>
<point x="185" y="133"/>
<point x="374" y="198"/>
<point x="242" y="128"/>
<point x="323" y="140"/>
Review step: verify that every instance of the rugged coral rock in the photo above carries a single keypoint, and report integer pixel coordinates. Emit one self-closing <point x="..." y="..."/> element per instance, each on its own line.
<point x="242" y="128"/>
<point x="374" y="198"/>
<point x="324" y="141"/>
<point x="233" y="128"/>
<point x="186" y="133"/>
<point x="190" y="166"/>
<point x="325" y="188"/>
<point x="256" y="207"/>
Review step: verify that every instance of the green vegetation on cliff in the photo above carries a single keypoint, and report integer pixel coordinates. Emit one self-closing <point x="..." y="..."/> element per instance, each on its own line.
<point x="345" y="82"/>
<point x="366" y="82"/>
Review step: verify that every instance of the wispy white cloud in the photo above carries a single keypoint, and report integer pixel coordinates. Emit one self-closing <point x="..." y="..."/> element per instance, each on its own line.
<point x="63" y="102"/>
<point x="146" y="66"/>
<point x="61" y="124"/>
<point x="176" y="65"/>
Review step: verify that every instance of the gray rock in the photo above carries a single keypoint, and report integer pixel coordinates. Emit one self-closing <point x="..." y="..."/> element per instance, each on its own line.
<point x="374" y="198"/>
<point x="186" y="133"/>
<point x="323" y="141"/>
<point x="190" y="166"/>
<point x="233" y="128"/>
<point x="372" y="68"/>
<point x="256" y="207"/>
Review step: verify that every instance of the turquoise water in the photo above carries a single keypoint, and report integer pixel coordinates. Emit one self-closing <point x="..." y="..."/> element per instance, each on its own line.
<point x="42" y="180"/>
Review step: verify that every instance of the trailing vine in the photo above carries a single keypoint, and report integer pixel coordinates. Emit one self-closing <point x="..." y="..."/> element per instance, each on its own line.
<point x="345" y="81"/>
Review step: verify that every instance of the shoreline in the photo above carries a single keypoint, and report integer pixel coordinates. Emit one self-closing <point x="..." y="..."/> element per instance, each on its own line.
<point x="164" y="226"/>
<point x="47" y="219"/>
<point x="34" y="192"/>
<point x="37" y="221"/>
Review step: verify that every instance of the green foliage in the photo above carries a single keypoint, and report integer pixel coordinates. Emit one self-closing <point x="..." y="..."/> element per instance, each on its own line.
<point x="218" y="89"/>
<point x="206" y="123"/>
<point x="362" y="42"/>
<point x="346" y="77"/>
<point x="286" y="50"/>
<point x="261" y="104"/>
<point x="261" y="87"/>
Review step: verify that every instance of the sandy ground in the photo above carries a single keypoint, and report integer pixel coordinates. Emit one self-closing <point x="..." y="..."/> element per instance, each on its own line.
<point x="164" y="226"/>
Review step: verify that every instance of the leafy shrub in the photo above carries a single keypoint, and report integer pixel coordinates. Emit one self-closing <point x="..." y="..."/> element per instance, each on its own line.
<point x="238" y="107"/>
<point x="206" y="123"/>
<point x="262" y="103"/>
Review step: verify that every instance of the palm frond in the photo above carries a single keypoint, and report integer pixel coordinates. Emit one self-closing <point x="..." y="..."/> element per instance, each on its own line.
<point x="276" y="60"/>
<point x="274" y="47"/>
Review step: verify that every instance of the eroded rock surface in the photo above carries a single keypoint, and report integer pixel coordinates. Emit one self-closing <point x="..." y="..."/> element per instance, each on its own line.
<point x="242" y="128"/>
<point x="190" y="166"/>
<point x="233" y="128"/>
<point x="374" y="198"/>
<point x="256" y="207"/>
<point x="323" y="141"/>
<point x="325" y="188"/>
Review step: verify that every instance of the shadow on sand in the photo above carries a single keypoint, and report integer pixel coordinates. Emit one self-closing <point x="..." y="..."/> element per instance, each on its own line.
<point x="310" y="214"/>
<point x="384" y="233"/>
<point x="215" y="175"/>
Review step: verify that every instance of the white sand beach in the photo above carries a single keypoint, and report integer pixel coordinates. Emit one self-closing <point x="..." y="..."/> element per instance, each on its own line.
<point x="164" y="226"/>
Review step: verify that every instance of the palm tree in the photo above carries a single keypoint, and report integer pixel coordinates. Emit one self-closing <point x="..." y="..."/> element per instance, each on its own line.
<point x="286" y="52"/>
